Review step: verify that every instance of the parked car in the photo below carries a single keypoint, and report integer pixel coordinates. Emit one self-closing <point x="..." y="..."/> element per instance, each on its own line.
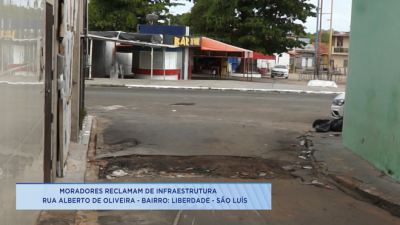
<point x="337" y="107"/>
<point x="280" y="71"/>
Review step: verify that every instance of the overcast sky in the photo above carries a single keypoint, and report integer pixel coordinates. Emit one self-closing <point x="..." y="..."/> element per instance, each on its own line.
<point x="341" y="14"/>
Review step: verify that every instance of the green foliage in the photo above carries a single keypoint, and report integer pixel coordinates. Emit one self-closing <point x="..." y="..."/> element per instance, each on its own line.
<point x="84" y="112"/>
<point x="124" y="15"/>
<point x="180" y="19"/>
<point x="324" y="38"/>
<point x="252" y="24"/>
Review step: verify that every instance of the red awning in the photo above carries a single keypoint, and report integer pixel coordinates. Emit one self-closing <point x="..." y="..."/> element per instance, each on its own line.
<point x="257" y="55"/>
<point x="208" y="44"/>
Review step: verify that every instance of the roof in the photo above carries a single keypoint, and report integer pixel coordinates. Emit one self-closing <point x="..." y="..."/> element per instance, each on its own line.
<point x="208" y="44"/>
<point x="257" y="55"/>
<point x="342" y="35"/>
<point x="147" y="40"/>
<point x="293" y="53"/>
<point x="323" y="48"/>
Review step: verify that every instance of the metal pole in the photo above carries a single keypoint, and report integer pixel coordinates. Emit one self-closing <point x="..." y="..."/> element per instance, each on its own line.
<point x="90" y="59"/>
<point x="320" y="36"/>
<point x="248" y="66"/>
<point x="244" y="65"/>
<point x="316" y="41"/>
<point x="330" y="41"/>
<point x="164" y="62"/>
<point x="152" y="61"/>
<point x="87" y="32"/>
<point x="252" y="65"/>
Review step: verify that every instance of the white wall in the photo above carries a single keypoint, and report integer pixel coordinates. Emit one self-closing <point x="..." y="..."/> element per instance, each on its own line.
<point x="109" y="54"/>
<point x="263" y="63"/>
<point x="172" y="60"/>
<point x="125" y="59"/>
<point x="283" y="60"/>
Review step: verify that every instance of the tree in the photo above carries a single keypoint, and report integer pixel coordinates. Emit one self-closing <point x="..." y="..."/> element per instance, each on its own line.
<point x="252" y="24"/>
<point x="324" y="38"/>
<point x="180" y="19"/>
<point x="125" y="15"/>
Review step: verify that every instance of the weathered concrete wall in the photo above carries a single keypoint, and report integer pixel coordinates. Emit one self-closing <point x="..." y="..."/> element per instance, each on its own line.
<point x="372" y="127"/>
<point x="70" y="16"/>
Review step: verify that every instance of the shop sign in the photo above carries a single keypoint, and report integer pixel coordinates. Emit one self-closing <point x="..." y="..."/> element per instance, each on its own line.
<point x="184" y="41"/>
<point x="7" y="34"/>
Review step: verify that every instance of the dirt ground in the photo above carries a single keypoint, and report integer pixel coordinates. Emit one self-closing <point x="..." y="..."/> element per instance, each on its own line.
<point x="196" y="166"/>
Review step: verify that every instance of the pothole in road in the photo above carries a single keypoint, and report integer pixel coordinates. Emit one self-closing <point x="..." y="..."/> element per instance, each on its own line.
<point x="194" y="166"/>
<point x="118" y="146"/>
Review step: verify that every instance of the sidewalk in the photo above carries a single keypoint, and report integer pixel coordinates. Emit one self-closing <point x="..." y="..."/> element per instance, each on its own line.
<point x="265" y="84"/>
<point x="353" y="172"/>
<point x="74" y="173"/>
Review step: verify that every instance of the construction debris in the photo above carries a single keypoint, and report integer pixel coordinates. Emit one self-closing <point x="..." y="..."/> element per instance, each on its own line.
<point x="118" y="173"/>
<point x="320" y="184"/>
<point x="288" y="167"/>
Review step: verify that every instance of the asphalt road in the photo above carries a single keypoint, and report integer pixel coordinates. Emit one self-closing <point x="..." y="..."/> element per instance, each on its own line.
<point x="215" y="123"/>
<point x="218" y="122"/>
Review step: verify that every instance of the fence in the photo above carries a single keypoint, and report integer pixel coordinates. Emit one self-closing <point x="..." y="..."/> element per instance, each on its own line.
<point x="337" y="74"/>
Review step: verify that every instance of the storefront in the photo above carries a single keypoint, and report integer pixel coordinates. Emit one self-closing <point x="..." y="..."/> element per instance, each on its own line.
<point x="172" y="57"/>
<point x="145" y="54"/>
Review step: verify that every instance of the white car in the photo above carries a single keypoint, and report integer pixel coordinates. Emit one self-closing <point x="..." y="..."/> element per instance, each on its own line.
<point x="337" y="107"/>
<point x="280" y="71"/>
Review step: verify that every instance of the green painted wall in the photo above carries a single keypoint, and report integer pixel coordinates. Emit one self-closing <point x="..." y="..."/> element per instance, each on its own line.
<point x="371" y="124"/>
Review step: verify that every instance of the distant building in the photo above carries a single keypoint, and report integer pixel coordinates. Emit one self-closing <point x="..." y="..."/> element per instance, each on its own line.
<point x="340" y="51"/>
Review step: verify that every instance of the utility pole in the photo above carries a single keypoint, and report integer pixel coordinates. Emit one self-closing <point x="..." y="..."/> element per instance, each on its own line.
<point x="319" y="39"/>
<point x="330" y="41"/>
<point x="316" y="42"/>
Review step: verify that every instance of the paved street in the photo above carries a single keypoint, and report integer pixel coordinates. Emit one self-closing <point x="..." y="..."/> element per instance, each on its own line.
<point x="219" y="123"/>
<point x="220" y="136"/>
<point x="265" y="84"/>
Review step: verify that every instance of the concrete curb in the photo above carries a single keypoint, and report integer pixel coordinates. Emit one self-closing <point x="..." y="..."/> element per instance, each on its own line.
<point x="216" y="88"/>
<point x="377" y="192"/>
<point x="92" y="171"/>
<point x="104" y="85"/>
<point x="347" y="181"/>
<point x="379" y="198"/>
<point x="368" y="191"/>
<point x="91" y="152"/>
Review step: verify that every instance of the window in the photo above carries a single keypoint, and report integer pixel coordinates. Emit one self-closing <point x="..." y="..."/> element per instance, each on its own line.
<point x="310" y="62"/>
<point x="345" y="62"/>
<point x="339" y="42"/>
